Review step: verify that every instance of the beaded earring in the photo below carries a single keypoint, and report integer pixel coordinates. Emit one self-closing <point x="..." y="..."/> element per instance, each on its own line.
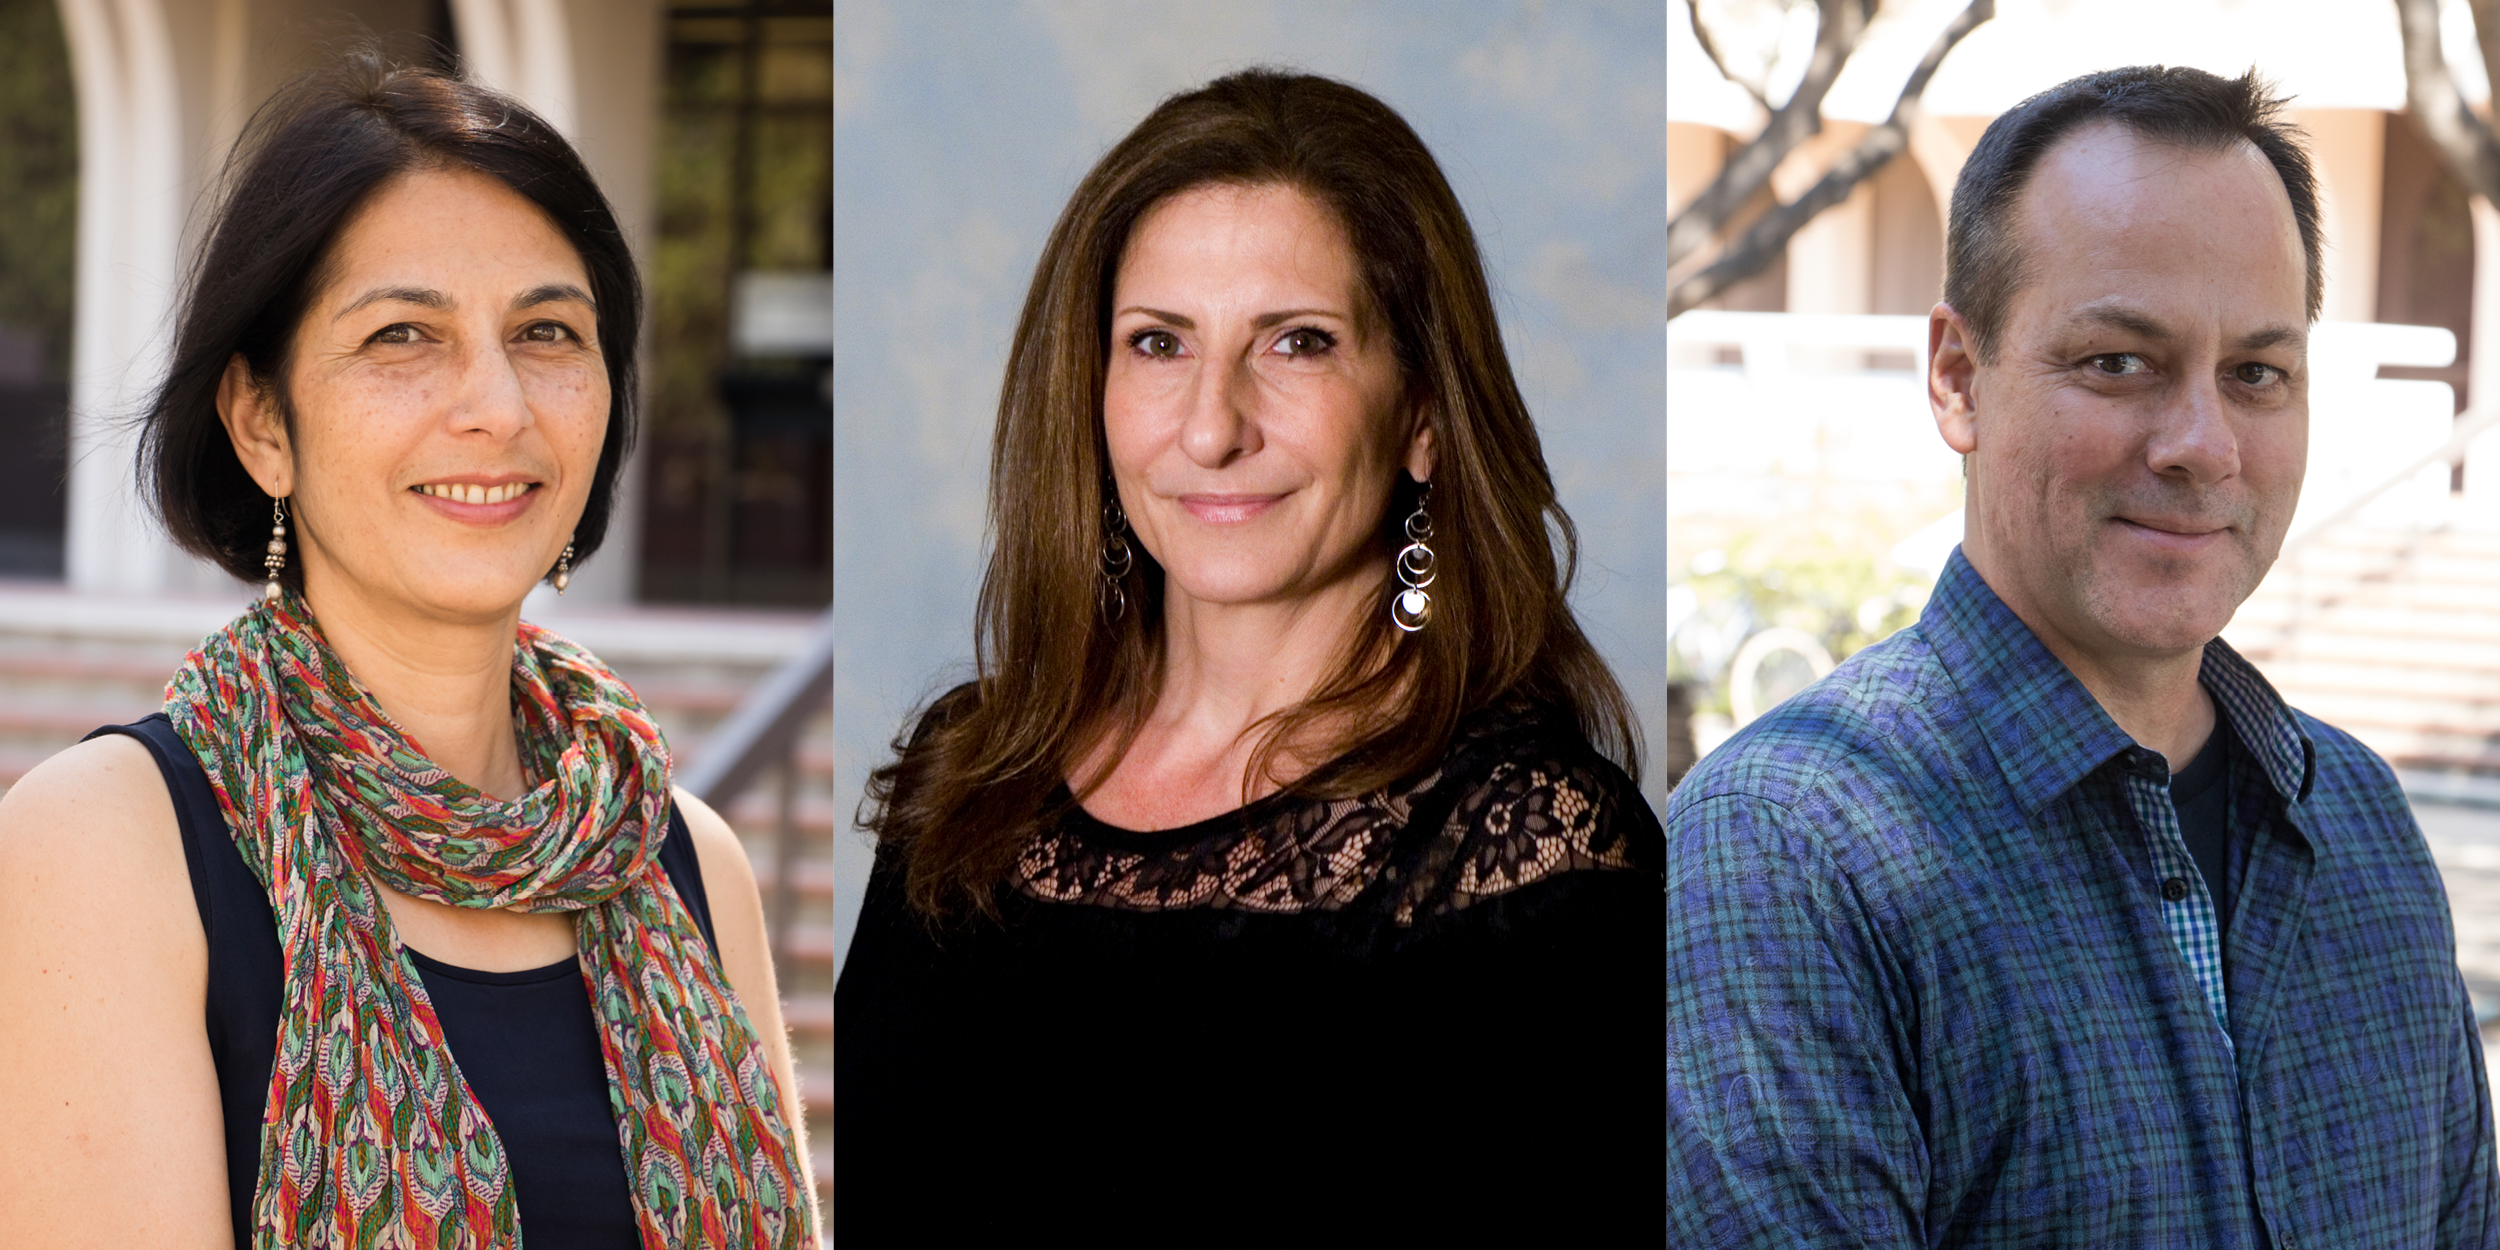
<point x="275" y="561"/>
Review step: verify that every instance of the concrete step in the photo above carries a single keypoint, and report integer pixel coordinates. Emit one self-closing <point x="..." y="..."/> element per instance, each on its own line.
<point x="2437" y="683"/>
<point x="2258" y="620"/>
<point x="2479" y="597"/>
<point x="2463" y="655"/>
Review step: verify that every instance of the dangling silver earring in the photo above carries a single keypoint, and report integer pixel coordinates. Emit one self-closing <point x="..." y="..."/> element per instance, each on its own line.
<point x="564" y="567"/>
<point x="1411" y="608"/>
<point x="1117" y="559"/>
<point x="275" y="561"/>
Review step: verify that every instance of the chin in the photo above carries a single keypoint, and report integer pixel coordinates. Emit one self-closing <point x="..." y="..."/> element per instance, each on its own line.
<point x="478" y="593"/>
<point x="2164" y="619"/>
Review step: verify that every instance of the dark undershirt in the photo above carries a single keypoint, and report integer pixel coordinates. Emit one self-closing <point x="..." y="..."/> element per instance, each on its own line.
<point x="2202" y="795"/>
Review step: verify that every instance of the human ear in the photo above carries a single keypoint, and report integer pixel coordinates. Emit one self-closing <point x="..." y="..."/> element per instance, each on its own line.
<point x="249" y="411"/>
<point x="1952" y="370"/>
<point x="1419" y="447"/>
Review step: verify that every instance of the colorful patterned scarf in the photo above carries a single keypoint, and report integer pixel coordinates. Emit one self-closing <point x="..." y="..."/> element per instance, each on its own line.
<point x="370" y="1137"/>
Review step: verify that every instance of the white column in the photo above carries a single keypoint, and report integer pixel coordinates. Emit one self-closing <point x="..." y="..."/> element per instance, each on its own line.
<point x="522" y="47"/>
<point x="1831" y="258"/>
<point x="530" y="48"/>
<point x="2482" y="458"/>
<point x="2348" y="147"/>
<point x="130" y="206"/>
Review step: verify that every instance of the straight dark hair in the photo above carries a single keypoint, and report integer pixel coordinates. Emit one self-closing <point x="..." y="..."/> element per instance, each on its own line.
<point x="971" y="787"/>
<point x="308" y="160"/>
<point x="2189" y="108"/>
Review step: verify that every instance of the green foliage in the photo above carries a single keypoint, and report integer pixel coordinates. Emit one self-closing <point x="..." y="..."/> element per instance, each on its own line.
<point x="1830" y="581"/>
<point x="38" y="177"/>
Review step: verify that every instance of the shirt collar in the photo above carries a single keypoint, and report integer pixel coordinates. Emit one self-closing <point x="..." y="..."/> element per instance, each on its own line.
<point x="2046" y="731"/>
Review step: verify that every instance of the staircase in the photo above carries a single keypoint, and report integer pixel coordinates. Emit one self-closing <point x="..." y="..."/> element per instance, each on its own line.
<point x="2393" y="635"/>
<point x="69" y="663"/>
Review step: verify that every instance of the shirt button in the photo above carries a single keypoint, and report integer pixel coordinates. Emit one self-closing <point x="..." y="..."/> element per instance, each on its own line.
<point x="2174" y="889"/>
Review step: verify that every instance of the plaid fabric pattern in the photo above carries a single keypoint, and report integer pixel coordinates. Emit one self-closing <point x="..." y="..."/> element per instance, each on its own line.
<point x="1924" y="987"/>
<point x="2190" y="916"/>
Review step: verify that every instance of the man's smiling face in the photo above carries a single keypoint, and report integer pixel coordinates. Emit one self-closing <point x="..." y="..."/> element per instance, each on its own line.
<point x="2137" y="441"/>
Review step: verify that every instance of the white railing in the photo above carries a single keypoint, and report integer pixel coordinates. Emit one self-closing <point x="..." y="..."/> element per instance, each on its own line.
<point x="1798" y="415"/>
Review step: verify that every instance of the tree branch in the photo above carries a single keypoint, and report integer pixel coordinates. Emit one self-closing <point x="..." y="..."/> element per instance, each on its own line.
<point x="2465" y="145"/>
<point x="1710" y="48"/>
<point x="1769" y="235"/>
<point x="1749" y="167"/>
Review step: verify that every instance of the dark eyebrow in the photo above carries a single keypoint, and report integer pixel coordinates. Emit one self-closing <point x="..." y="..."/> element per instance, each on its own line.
<point x="552" y="292"/>
<point x="1268" y="319"/>
<point x="2259" y="340"/>
<point x="2145" y="327"/>
<point x="1263" y="321"/>
<point x="2125" y="319"/>
<point x="419" y="296"/>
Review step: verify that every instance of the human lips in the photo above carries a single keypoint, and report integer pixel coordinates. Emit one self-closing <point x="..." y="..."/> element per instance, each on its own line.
<point x="2180" y="534"/>
<point x="1227" y="509"/>
<point x="479" y="498"/>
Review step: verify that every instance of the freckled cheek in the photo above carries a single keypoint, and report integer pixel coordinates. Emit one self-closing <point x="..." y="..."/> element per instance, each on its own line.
<point x="368" y="416"/>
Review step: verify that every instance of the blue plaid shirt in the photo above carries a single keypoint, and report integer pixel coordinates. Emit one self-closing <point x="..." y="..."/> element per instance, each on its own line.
<point x="1941" y="973"/>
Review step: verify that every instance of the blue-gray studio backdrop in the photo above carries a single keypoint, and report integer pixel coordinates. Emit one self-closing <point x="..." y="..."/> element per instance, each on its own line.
<point x="959" y="130"/>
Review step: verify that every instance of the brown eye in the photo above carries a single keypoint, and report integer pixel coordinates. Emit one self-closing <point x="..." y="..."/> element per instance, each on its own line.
<point x="2119" y="364"/>
<point x="547" y="332"/>
<point x="1305" y="342"/>
<point x="401" y="333"/>
<point x="2256" y="374"/>
<point x="1161" y="344"/>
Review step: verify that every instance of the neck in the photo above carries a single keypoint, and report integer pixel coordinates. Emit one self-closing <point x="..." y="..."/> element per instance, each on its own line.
<point x="2155" y="697"/>
<point x="2161" y="705"/>
<point x="1228" y="665"/>
<point x="447" y="682"/>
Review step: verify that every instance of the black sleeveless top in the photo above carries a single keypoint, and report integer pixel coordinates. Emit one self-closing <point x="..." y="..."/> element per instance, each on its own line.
<point x="525" y="1041"/>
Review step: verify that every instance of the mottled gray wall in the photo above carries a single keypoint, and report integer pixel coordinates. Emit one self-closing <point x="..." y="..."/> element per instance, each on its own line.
<point x="960" y="128"/>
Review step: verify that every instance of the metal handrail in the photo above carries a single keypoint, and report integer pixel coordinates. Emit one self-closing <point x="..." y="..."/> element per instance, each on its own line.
<point x="762" y="731"/>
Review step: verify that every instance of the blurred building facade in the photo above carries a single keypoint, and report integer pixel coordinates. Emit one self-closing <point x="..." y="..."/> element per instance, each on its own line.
<point x="1808" y="490"/>
<point x="708" y="125"/>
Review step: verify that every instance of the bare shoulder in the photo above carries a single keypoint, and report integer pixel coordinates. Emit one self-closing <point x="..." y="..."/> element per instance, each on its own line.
<point x="105" y="1071"/>
<point x="98" y="807"/>
<point x="716" y="847"/>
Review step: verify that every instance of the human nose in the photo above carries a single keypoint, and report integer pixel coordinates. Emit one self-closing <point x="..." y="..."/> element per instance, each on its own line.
<point x="1219" y="427"/>
<point x="489" y="396"/>
<point x="2193" y="435"/>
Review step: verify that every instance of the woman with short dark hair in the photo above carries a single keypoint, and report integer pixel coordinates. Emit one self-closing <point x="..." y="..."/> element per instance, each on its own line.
<point x="470" y="965"/>
<point x="1281" y="874"/>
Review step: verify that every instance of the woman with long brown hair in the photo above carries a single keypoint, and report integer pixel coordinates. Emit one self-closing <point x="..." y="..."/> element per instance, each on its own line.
<point x="1282" y="871"/>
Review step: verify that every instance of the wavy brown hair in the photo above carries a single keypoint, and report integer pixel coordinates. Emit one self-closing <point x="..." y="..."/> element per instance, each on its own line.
<point x="983" y="772"/>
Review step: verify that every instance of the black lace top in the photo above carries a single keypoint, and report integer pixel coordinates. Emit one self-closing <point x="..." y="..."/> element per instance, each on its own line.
<point x="1430" y="1013"/>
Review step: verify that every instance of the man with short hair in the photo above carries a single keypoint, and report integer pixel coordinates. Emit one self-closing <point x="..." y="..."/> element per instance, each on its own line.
<point x="2045" y="922"/>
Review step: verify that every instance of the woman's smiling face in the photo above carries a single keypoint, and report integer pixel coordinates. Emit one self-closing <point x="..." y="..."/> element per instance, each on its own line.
<point x="449" y="401"/>
<point x="1253" y="404"/>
